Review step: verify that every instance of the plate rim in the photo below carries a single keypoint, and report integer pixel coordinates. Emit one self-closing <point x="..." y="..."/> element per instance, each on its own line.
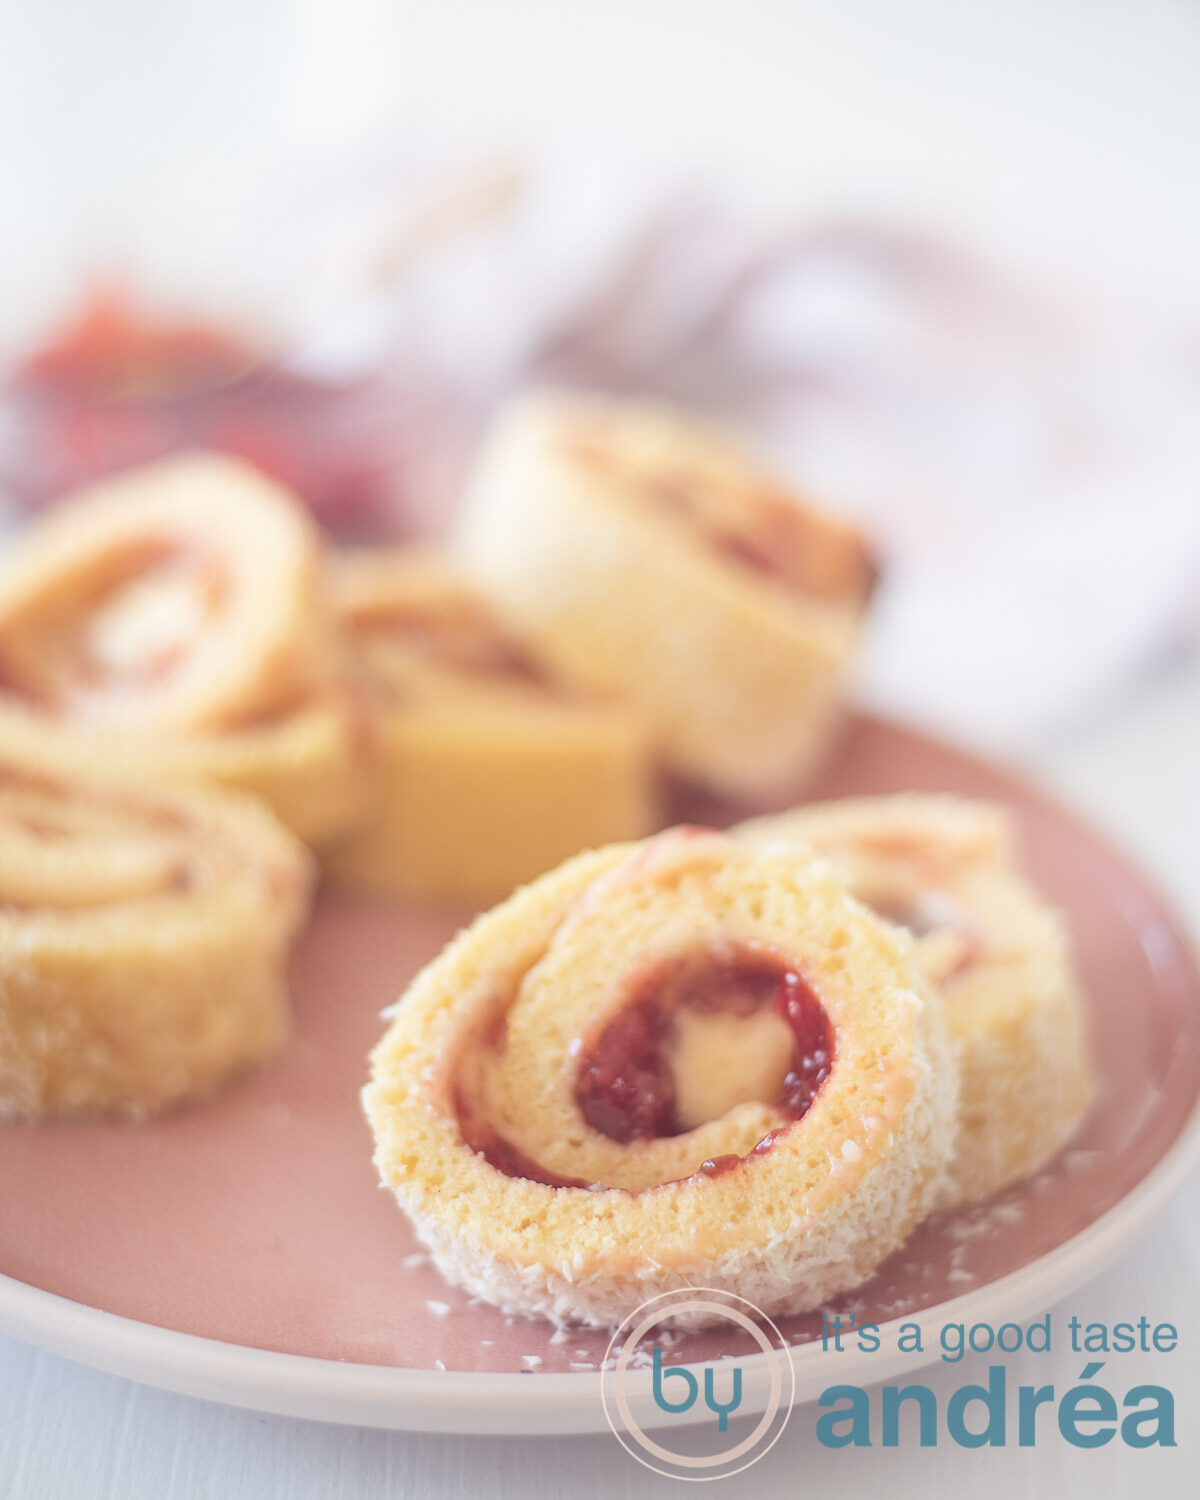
<point x="497" y="1403"/>
<point x="487" y="1403"/>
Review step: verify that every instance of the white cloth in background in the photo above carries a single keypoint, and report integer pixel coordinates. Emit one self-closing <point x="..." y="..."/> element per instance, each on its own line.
<point x="1029" y="468"/>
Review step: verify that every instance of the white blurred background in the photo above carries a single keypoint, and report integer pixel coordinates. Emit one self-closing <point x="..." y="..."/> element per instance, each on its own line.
<point x="939" y="259"/>
<point x="1062" y="130"/>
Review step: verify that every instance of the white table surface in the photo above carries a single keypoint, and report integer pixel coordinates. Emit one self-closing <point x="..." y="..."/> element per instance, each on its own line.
<point x="69" y="1431"/>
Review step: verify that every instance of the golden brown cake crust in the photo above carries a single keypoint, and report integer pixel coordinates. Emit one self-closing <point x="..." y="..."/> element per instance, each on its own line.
<point x="143" y="940"/>
<point x="645" y="558"/>
<point x="488" y="774"/>
<point x="488" y="1031"/>
<point x="947" y="867"/>
<point x="171" y="622"/>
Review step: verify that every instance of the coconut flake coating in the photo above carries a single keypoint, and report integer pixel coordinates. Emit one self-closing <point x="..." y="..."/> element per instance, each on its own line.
<point x="494" y="1029"/>
<point x="171" y="622"/>
<point x="648" y="559"/>
<point x="144" y="937"/>
<point x="947" y="869"/>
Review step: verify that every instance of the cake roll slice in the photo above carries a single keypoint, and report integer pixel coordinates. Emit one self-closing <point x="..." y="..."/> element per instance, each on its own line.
<point x="680" y="1062"/>
<point x="946" y="869"/>
<point x="648" y="558"/>
<point x="144" y="936"/>
<point x="488" y="772"/>
<point x="171" y="621"/>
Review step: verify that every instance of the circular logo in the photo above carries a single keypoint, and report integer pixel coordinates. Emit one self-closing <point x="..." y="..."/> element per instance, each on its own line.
<point x="699" y="1413"/>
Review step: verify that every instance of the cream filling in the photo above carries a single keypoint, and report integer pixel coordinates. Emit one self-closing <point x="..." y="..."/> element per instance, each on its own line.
<point x="720" y="1060"/>
<point x="155" y="617"/>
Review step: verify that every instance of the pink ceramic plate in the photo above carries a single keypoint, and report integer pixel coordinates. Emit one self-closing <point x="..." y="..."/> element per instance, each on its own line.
<point x="241" y="1249"/>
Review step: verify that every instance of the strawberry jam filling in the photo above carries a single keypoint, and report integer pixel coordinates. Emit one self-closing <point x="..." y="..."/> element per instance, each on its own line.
<point x="929" y="912"/>
<point x="453" y="635"/>
<point x="501" y="1153"/>
<point x="771" y="536"/>
<point x="625" y="1083"/>
<point x="754" y="525"/>
<point x="135" y="628"/>
<point x="625" y="1086"/>
<point x="461" y="641"/>
<point x="907" y="911"/>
